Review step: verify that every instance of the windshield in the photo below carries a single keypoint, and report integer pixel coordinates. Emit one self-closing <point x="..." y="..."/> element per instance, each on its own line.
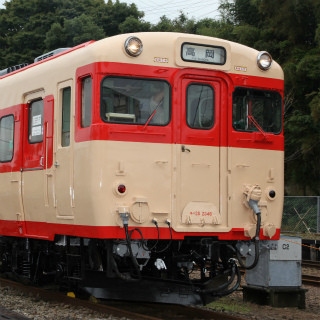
<point x="135" y="101"/>
<point x="257" y="110"/>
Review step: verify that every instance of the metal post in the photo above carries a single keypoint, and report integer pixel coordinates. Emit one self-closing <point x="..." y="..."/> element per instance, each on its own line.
<point x="318" y="214"/>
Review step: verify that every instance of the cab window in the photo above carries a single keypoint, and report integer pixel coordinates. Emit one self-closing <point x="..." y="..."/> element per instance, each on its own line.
<point x="200" y="106"/>
<point x="257" y="110"/>
<point x="135" y="101"/>
<point x="35" y="132"/>
<point x="6" y="138"/>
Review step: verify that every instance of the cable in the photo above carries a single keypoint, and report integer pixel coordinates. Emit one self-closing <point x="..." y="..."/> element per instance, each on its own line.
<point x="256" y="246"/>
<point x="145" y="247"/>
<point x="169" y="244"/>
<point x="301" y="244"/>
<point x="133" y="259"/>
<point x="218" y="291"/>
<point x="235" y="287"/>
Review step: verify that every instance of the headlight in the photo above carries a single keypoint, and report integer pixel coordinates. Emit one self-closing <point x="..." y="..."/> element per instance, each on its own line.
<point x="133" y="46"/>
<point x="264" y="60"/>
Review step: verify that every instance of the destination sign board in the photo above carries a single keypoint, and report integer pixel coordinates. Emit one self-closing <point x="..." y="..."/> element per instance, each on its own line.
<point x="203" y="53"/>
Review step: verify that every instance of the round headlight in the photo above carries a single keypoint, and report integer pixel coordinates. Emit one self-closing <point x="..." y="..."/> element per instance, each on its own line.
<point x="133" y="46"/>
<point x="264" y="60"/>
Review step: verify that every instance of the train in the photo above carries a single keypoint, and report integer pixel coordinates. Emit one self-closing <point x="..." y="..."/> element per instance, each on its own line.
<point x="141" y="167"/>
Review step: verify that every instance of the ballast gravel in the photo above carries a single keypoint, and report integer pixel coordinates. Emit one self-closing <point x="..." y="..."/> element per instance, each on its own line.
<point x="37" y="309"/>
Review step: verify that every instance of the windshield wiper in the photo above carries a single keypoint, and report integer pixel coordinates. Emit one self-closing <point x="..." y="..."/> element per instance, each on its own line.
<point x="256" y="124"/>
<point x="152" y="115"/>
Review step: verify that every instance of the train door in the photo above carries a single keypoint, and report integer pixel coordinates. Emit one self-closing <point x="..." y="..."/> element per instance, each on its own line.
<point x="64" y="153"/>
<point x="198" y="152"/>
<point x="10" y="170"/>
<point x="37" y="160"/>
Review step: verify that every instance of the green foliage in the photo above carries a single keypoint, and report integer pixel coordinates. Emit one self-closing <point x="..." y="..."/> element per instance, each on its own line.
<point x="315" y="107"/>
<point x="132" y="23"/>
<point x="180" y="24"/>
<point x="29" y="28"/>
<point x="246" y="34"/>
<point x="230" y="305"/>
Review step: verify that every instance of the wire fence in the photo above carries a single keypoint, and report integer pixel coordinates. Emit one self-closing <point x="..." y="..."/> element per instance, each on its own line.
<point x="301" y="215"/>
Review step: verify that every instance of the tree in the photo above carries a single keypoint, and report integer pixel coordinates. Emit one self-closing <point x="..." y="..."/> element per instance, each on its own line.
<point x="29" y="28"/>
<point x="133" y="24"/>
<point x="115" y="14"/>
<point x="75" y="31"/>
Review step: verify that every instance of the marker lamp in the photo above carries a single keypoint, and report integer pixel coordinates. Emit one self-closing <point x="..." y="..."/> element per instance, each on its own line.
<point x="264" y="60"/>
<point x="133" y="46"/>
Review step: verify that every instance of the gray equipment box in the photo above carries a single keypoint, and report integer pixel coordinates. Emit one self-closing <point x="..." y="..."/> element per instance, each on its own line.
<point x="279" y="264"/>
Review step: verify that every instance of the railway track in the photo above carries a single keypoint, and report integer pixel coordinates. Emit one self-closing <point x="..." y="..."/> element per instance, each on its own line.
<point x="311" y="280"/>
<point x="129" y="310"/>
<point x="10" y="315"/>
<point x="311" y="264"/>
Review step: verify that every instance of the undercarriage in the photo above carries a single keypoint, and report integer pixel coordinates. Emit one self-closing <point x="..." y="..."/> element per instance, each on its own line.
<point x="191" y="271"/>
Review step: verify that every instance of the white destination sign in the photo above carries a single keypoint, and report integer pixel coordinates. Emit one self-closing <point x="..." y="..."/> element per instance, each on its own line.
<point x="203" y="54"/>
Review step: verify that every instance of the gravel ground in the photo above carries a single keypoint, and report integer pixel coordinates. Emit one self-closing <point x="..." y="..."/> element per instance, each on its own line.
<point x="34" y="308"/>
<point x="234" y="304"/>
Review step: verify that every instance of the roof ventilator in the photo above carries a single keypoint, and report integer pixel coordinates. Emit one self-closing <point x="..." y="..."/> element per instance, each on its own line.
<point x="50" y="54"/>
<point x="13" y="68"/>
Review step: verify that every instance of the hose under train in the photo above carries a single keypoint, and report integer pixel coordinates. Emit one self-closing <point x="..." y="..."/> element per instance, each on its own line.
<point x="133" y="259"/>
<point x="256" y="247"/>
<point x="223" y="290"/>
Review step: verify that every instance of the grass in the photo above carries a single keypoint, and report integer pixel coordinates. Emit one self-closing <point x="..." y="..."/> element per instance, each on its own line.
<point x="229" y="305"/>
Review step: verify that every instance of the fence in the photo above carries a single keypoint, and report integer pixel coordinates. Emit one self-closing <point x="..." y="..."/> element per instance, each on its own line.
<point x="301" y="215"/>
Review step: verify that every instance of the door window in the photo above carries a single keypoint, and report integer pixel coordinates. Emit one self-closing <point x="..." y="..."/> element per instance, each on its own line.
<point x="65" y="126"/>
<point x="36" y="121"/>
<point x="200" y="106"/>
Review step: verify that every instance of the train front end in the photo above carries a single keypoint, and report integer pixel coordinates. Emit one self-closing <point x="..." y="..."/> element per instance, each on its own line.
<point x="141" y="166"/>
<point x="188" y="150"/>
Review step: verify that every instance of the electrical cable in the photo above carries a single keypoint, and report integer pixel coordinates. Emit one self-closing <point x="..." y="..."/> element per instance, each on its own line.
<point x="218" y="291"/>
<point x="133" y="259"/>
<point x="145" y="247"/>
<point x="169" y="244"/>
<point x="235" y="287"/>
<point x="256" y="246"/>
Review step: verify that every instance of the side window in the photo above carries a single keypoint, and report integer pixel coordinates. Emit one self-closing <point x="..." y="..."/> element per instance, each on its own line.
<point x="6" y="138"/>
<point x="86" y="95"/>
<point x="65" y="123"/>
<point x="256" y="110"/>
<point x="35" y="131"/>
<point x="200" y="106"/>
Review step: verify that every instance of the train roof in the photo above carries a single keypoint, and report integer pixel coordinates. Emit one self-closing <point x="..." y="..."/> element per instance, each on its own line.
<point x="161" y="49"/>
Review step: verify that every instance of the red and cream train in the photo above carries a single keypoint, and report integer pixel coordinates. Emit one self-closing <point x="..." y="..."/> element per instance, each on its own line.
<point x="130" y="162"/>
